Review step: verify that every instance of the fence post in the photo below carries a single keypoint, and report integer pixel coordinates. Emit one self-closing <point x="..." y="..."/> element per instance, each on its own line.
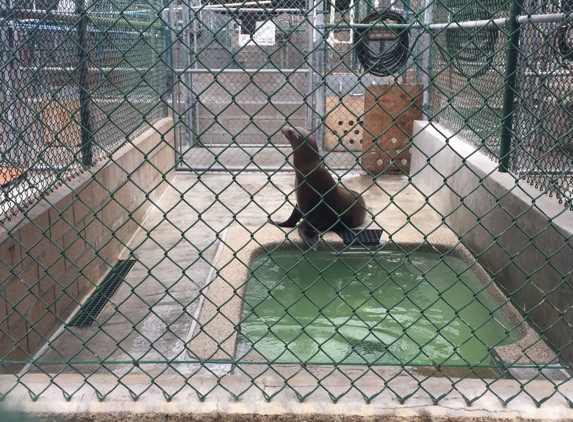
<point x="83" y="84"/>
<point x="10" y="157"/>
<point x="427" y="59"/>
<point x="175" y="78"/>
<point x="318" y="64"/>
<point x="509" y="85"/>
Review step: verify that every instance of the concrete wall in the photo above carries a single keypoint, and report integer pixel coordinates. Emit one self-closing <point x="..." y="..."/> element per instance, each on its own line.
<point x="521" y="236"/>
<point x="54" y="254"/>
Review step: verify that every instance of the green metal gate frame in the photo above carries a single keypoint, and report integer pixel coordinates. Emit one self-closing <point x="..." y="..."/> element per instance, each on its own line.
<point x="187" y="120"/>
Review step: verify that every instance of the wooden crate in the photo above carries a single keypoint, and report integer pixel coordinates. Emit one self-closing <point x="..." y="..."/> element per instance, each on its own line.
<point x="8" y="175"/>
<point x="60" y="120"/>
<point x="388" y="124"/>
<point x="343" y="123"/>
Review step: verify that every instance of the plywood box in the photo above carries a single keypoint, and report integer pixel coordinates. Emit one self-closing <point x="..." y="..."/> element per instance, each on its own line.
<point x="60" y="120"/>
<point x="343" y="123"/>
<point x="388" y="123"/>
<point x="8" y="175"/>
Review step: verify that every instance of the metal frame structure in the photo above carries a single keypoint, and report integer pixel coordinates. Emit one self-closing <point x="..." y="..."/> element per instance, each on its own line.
<point x="189" y="102"/>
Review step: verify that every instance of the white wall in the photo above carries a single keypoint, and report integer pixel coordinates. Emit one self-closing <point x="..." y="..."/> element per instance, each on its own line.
<point x="520" y="235"/>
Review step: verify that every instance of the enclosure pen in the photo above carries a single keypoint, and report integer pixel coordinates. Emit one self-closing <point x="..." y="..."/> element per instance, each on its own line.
<point x="253" y="210"/>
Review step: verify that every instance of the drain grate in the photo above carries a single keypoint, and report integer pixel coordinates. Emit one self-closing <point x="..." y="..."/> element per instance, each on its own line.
<point x="102" y="293"/>
<point x="364" y="237"/>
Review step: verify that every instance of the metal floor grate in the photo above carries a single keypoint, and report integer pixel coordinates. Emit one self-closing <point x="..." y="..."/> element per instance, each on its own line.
<point x="363" y="237"/>
<point x="92" y="307"/>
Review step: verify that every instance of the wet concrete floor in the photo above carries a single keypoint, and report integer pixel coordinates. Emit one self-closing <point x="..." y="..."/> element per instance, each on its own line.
<point x="148" y="319"/>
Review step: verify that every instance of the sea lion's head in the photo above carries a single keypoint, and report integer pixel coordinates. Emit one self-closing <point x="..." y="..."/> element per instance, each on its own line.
<point x="300" y="139"/>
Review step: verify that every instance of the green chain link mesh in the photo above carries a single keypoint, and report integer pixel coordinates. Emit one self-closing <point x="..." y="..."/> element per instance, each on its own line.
<point x="80" y="80"/>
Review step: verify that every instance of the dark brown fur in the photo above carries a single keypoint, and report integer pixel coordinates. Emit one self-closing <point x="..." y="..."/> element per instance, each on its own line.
<point x="321" y="203"/>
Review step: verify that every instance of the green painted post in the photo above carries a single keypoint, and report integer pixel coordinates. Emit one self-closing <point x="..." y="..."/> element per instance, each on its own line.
<point x="355" y="63"/>
<point x="84" y="85"/>
<point x="509" y="88"/>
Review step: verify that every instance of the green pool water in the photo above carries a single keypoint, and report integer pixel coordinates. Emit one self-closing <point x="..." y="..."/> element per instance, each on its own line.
<point x="354" y="308"/>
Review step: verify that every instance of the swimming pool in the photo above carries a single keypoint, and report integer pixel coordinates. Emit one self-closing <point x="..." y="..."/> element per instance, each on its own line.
<point x="390" y="308"/>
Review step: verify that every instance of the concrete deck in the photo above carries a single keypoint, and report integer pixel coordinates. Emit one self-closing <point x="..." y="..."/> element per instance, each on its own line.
<point x="149" y="317"/>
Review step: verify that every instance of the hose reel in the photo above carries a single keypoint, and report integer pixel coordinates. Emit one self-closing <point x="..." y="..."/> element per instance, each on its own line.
<point x="393" y="43"/>
<point x="470" y="51"/>
<point x="564" y="45"/>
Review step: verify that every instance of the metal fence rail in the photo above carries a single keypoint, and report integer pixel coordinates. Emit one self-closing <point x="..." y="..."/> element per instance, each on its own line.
<point x="187" y="277"/>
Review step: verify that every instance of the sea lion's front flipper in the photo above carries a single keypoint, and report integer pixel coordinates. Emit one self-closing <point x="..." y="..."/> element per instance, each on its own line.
<point x="294" y="218"/>
<point x="309" y="235"/>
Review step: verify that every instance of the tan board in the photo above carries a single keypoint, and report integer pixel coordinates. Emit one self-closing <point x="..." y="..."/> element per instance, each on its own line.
<point x="60" y="121"/>
<point x="8" y="175"/>
<point x="343" y="123"/>
<point x="388" y="122"/>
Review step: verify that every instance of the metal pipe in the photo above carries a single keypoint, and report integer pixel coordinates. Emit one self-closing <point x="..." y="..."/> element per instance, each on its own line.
<point x="217" y="71"/>
<point x="250" y="146"/>
<point x="236" y="169"/>
<point x="195" y="78"/>
<point x="310" y="65"/>
<point x="319" y="47"/>
<point x="18" y="144"/>
<point x="427" y="60"/>
<point x="167" y="52"/>
<point x="104" y="19"/>
<point x="247" y="3"/>
<point x="9" y="106"/>
<point x="91" y="70"/>
<point x="509" y="87"/>
<point x="175" y="82"/>
<point x="355" y="15"/>
<point x="521" y="19"/>
<point x="6" y="11"/>
<point x="187" y="86"/>
<point x="84" y="85"/>
<point x="548" y="18"/>
<point x="246" y="9"/>
<point x="407" y="9"/>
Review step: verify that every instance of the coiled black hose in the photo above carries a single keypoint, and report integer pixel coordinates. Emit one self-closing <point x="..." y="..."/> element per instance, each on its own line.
<point x="470" y="51"/>
<point x="388" y="61"/>
<point x="564" y="46"/>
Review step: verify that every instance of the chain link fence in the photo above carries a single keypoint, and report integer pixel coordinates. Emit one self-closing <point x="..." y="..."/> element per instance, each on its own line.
<point x="192" y="281"/>
<point x="470" y="66"/>
<point x="473" y="63"/>
<point x="229" y="79"/>
<point x="76" y="83"/>
<point x="543" y="110"/>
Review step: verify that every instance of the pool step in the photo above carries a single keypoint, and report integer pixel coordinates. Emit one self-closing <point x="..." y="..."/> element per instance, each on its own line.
<point x="363" y="237"/>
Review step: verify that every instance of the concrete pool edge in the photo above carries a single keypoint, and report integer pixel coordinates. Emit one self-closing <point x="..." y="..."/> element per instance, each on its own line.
<point x="538" y="353"/>
<point x="215" y="331"/>
<point x="154" y="405"/>
<point x="85" y="405"/>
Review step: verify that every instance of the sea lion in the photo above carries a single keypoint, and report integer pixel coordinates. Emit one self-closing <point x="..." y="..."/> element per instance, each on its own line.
<point x="321" y="203"/>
